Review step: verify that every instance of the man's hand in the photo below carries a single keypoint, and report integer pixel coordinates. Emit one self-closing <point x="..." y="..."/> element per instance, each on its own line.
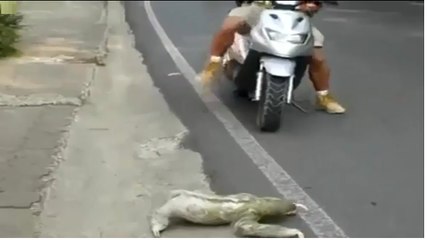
<point x="210" y="71"/>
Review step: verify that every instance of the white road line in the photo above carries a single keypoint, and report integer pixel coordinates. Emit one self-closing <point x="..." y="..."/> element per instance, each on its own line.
<point x="317" y="219"/>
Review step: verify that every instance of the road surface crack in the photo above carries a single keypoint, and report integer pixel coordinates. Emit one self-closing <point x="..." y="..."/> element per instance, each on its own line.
<point x="156" y="147"/>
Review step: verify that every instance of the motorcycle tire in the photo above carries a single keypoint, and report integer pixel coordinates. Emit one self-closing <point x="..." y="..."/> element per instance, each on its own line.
<point x="272" y="102"/>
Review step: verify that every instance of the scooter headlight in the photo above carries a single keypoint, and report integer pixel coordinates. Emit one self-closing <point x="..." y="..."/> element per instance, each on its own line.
<point x="296" y="38"/>
<point x="274" y="35"/>
<point x="293" y="38"/>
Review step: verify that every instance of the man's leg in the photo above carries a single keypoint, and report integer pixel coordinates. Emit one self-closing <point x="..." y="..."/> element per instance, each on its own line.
<point x="319" y="73"/>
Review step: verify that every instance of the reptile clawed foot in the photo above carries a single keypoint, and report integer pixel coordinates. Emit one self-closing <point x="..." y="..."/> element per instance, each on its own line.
<point x="157" y="228"/>
<point x="156" y="232"/>
<point x="299" y="205"/>
<point x="294" y="233"/>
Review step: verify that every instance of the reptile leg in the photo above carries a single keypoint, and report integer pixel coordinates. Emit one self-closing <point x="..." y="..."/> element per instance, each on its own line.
<point x="159" y="223"/>
<point x="248" y="226"/>
<point x="160" y="218"/>
<point x="294" y="212"/>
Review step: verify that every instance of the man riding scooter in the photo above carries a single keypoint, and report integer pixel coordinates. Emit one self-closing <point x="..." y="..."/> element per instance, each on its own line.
<point x="241" y="20"/>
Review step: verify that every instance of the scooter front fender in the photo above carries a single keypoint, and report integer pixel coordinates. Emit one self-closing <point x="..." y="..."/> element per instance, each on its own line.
<point x="280" y="67"/>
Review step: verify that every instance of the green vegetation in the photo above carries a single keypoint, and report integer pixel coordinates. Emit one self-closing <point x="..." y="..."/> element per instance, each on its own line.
<point x="10" y="24"/>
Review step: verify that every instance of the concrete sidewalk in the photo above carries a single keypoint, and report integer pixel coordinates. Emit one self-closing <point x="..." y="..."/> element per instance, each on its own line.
<point x="39" y="95"/>
<point x="124" y="154"/>
<point x="101" y="170"/>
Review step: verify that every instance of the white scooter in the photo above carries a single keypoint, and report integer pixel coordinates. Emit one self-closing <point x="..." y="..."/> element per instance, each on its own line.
<point x="270" y="62"/>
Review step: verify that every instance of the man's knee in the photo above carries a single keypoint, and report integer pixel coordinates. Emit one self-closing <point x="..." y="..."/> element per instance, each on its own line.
<point x="318" y="56"/>
<point x="318" y="62"/>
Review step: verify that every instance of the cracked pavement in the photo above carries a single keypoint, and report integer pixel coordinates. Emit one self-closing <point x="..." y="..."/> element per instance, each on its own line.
<point x="124" y="153"/>
<point x="88" y="148"/>
<point x="39" y="97"/>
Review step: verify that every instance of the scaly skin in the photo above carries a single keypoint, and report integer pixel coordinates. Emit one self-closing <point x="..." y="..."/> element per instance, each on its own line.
<point x="242" y="210"/>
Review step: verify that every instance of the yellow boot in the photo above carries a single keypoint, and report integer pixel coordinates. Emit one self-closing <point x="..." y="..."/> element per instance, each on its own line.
<point x="328" y="103"/>
<point x="211" y="70"/>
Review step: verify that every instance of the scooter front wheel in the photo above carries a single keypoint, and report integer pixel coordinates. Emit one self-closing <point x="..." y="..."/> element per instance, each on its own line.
<point x="272" y="102"/>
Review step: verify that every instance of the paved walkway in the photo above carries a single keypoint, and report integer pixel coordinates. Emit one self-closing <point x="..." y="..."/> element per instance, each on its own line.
<point x="89" y="147"/>
<point x="39" y="94"/>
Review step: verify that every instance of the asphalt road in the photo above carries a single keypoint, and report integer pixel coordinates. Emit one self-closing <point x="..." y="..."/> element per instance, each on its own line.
<point x="364" y="168"/>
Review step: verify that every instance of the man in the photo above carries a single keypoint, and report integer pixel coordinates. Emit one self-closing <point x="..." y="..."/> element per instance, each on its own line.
<point x="241" y="19"/>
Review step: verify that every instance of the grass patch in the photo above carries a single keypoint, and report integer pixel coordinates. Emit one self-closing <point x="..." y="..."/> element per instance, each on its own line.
<point x="10" y="24"/>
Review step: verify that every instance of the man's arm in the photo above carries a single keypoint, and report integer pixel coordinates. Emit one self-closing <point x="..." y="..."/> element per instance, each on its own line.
<point x="224" y="38"/>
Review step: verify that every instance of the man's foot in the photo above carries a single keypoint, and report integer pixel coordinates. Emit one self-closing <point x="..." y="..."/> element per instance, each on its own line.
<point x="210" y="71"/>
<point x="329" y="104"/>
